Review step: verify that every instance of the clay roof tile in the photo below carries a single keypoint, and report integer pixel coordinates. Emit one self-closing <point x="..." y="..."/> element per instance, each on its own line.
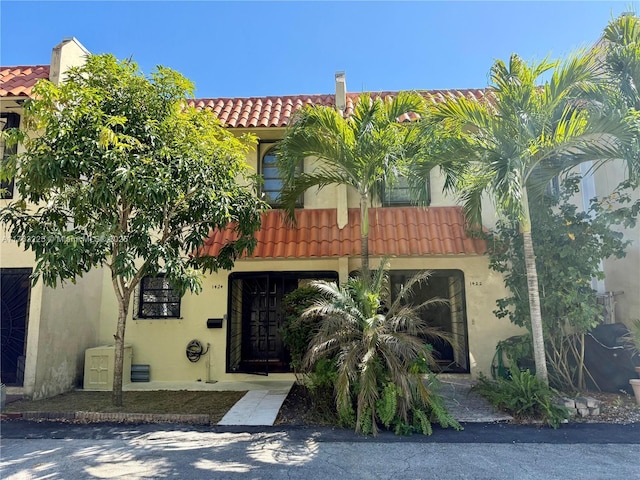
<point x="277" y="111"/>
<point x="402" y="231"/>
<point x="19" y="81"/>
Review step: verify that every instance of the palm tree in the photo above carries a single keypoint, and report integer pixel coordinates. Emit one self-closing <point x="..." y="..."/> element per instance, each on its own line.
<point x="369" y="150"/>
<point x="621" y="64"/>
<point x="375" y="346"/>
<point x="528" y="132"/>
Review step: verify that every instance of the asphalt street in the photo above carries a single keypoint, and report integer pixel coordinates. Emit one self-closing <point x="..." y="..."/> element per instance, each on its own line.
<point x="55" y="450"/>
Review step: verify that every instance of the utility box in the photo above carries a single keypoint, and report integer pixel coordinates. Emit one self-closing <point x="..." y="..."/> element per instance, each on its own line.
<point x="98" y="367"/>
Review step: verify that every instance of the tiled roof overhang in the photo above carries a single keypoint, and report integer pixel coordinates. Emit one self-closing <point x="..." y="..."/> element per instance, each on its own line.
<point x="19" y="81"/>
<point x="397" y="231"/>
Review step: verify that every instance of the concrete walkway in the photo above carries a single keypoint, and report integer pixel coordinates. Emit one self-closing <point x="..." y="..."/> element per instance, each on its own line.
<point x="259" y="406"/>
<point x="465" y="405"/>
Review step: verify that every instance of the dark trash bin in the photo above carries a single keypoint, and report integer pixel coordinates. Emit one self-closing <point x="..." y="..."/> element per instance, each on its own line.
<point x="608" y="359"/>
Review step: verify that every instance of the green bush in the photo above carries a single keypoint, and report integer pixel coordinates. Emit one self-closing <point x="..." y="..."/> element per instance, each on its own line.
<point x="523" y="395"/>
<point x="420" y="416"/>
<point x="296" y="334"/>
<point x="297" y="331"/>
<point x="379" y="352"/>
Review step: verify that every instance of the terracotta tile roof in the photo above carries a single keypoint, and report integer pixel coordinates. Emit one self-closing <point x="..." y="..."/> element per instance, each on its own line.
<point x="277" y="111"/>
<point x="401" y="231"/>
<point x="19" y="81"/>
<point x="234" y="112"/>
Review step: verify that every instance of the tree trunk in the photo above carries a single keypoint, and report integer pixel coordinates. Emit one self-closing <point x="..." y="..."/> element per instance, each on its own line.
<point x="581" y="382"/>
<point x="364" y="236"/>
<point x="534" y="307"/>
<point x="123" y="310"/>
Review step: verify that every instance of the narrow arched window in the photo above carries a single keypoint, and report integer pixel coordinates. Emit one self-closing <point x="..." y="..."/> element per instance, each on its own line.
<point x="7" y="121"/>
<point x="272" y="183"/>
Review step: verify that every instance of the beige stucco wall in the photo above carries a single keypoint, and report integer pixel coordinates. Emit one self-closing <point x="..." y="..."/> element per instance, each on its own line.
<point x="482" y="288"/>
<point x="622" y="275"/>
<point x="68" y="326"/>
<point x="162" y="343"/>
<point x="67" y="54"/>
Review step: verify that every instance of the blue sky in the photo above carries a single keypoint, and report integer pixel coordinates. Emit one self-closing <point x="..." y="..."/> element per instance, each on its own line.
<point x="244" y="49"/>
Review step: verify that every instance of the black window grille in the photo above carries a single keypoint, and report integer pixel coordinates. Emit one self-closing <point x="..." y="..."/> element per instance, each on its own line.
<point x="158" y="299"/>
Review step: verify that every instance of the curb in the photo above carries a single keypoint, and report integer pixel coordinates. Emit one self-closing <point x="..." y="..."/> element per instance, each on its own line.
<point x="117" y="417"/>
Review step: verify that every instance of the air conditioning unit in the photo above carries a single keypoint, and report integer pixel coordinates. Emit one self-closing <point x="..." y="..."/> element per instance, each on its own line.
<point x="98" y="367"/>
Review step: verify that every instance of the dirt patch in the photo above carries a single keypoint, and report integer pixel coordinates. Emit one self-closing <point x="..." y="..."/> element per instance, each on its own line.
<point x="298" y="408"/>
<point x="301" y="407"/>
<point x="619" y="408"/>
<point x="214" y="404"/>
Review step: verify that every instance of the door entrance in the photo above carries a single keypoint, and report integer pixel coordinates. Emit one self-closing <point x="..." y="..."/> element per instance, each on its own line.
<point x="452" y="357"/>
<point x="14" y="301"/>
<point x="256" y="317"/>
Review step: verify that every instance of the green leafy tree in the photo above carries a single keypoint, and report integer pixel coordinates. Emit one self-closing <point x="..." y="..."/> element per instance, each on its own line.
<point x="512" y="146"/>
<point x="376" y="349"/>
<point x="123" y="174"/>
<point x="368" y="150"/>
<point x="570" y="244"/>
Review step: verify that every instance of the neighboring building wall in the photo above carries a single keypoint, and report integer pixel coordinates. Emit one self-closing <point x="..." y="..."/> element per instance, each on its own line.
<point x="68" y="326"/>
<point x="622" y="275"/>
<point x="63" y="322"/>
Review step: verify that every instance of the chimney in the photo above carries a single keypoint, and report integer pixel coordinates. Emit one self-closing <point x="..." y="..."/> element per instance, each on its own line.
<point x="341" y="92"/>
<point x="68" y="53"/>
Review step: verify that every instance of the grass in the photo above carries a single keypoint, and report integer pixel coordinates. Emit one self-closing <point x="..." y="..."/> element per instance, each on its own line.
<point x="214" y="404"/>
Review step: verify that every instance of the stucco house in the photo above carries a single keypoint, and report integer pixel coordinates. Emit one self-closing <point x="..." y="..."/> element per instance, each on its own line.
<point x="239" y="313"/>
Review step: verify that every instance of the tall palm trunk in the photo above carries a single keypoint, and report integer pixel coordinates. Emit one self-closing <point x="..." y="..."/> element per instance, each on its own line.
<point x="364" y="236"/>
<point x="535" y="313"/>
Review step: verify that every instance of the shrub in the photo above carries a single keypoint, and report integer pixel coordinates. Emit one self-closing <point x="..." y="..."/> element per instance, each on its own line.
<point x="296" y="331"/>
<point x="379" y="354"/>
<point x="523" y="395"/>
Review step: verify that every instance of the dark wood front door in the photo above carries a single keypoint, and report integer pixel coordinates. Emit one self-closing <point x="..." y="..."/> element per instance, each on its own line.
<point x="14" y="300"/>
<point x="254" y="342"/>
<point x="262" y="346"/>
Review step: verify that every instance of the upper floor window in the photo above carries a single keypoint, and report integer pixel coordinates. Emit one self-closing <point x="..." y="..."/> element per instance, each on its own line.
<point x="7" y="120"/>
<point x="272" y="181"/>
<point x="553" y="187"/>
<point x="399" y="196"/>
<point x="158" y="299"/>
